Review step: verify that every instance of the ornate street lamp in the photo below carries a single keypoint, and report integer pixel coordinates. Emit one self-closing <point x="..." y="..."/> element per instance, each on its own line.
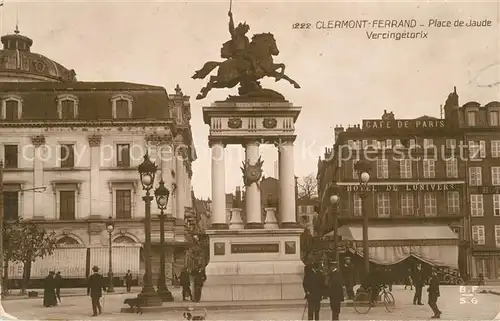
<point x="161" y="195"/>
<point x="335" y="201"/>
<point x="363" y="168"/>
<point x="110" y="227"/>
<point x="147" y="171"/>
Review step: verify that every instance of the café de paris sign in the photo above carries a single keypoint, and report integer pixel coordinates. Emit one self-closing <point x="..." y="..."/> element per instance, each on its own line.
<point x="427" y="187"/>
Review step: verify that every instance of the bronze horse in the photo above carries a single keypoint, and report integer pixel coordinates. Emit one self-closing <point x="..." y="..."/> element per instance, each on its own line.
<point x="238" y="71"/>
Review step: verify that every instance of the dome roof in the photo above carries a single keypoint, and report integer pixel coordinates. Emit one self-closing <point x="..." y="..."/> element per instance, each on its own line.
<point x="17" y="62"/>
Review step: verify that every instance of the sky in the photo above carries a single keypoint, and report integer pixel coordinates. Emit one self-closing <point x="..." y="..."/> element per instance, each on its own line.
<point x="344" y="76"/>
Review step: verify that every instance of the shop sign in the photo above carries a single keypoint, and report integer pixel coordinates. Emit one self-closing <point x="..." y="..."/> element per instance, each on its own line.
<point x="402" y="188"/>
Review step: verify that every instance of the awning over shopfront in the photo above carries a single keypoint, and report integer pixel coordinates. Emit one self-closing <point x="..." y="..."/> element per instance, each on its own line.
<point x="434" y="244"/>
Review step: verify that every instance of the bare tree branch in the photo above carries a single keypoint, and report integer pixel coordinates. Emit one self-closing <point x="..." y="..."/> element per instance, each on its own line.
<point x="308" y="186"/>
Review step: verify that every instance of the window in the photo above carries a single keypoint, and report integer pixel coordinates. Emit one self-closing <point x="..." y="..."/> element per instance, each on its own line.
<point x="357" y="205"/>
<point x="405" y="170"/>
<point x="67" y="205"/>
<point x="451" y="143"/>
<point x="495" y="175"/>
<point x="428" y="143"/>
<point x="383" y="204"/>
<point x="497" y="235"/>
<point x="407" y="203"/>
<point x="382" y="168"/>
<point x="68" y="109"/>
<point x="429" y="168"/>
<point x="398" y="144"/>
<point x="475" y="176"/>
<point x="496" y="204"/>
<point x="453" y="199"/>
<point x="122" y="106"/>
<point x="12" y="108"/>
<point x="471" y="118"/>
<point x="430" y="204"/>
<point x="477" y="149"/>
<point x="67" y="155"/>
<point x="476" y="205"/>
<point x="452" y="168"/>
<point x="123" y="155"/>
<point x="11" y="155"/>
<point x="478" y="234"/>
<point x="495" y="148"/>
<point x="123" y="203"/>
<point x="11" y="205"/>
<point x="494" y="118"/>
<point x="355" y="159"/>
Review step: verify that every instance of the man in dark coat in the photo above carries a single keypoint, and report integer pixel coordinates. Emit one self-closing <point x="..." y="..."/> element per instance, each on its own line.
<point x="49" y="291"/>
<point x="335" y="290"/>
<point x="185" y="281"/>
<point x="95" y="287"/>
<point x="58" y="284"/>
<point x="199" y="278"/>
<point x="433" y="291"/>
<point x="418" y="282"/>
<point x="313" y="285"/>
<point x="128" y="281"/>
<point x="348" y="272"/>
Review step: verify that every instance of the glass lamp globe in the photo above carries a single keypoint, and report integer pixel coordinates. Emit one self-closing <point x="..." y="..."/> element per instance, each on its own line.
<point x="334" y="199"/>
<point x="162" y="201"/>
<point x="146" y="180"/>
<point x="110" y="228"/>
<point x="365" y="177"/>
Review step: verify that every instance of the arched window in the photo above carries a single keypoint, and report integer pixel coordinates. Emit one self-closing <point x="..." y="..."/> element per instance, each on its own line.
<point x="67" y="107"/>
<point x="67" y="240"/>
<point x="122" y="106"/>
<point x="124" y="240"/>
<point x="12" y="108"/>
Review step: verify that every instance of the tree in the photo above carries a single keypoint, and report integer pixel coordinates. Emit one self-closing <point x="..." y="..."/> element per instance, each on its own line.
<point x="30" y="241"/>
<point x="10" y="235"/>
<point x="308" y="187"/>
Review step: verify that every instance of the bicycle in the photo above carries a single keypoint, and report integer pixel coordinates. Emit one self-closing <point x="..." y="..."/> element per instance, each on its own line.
<point x="362" y="300"/>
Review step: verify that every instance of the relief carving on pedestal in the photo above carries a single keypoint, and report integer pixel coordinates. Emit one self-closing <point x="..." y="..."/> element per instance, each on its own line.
<point x="234" y="123"/>
<point x="269" y="123"/>
<point x="219" y="248"/>
<point x="290" y="247"/>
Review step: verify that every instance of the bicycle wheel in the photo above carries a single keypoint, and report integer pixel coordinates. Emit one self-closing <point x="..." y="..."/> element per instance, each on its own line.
<point x="362" y="303"/>
<point x="389" y="301"/>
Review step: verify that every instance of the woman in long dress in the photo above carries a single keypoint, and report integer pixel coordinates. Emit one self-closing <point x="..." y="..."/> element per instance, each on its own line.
<point x="49" y="291"/>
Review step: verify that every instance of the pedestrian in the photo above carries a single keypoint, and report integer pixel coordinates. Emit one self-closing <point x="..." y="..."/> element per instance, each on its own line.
<point x="313" y="285"/>
<point x="185" y="282"/>
<point x="348" y="272"/>
<point x="433" y="291"/>
<point x="128" y="281"/>
<point x="199" y="279"/>
<point x="95" y="287"/>
<point x="335" y="290"/>
<point x="49" y="291"/>
<point x="58" y="284"/>
<point x="418" y="282"/>
<point x="409" y="280"/>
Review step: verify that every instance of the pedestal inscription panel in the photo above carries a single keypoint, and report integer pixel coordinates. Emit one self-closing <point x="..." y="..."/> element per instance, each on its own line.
<point x="255" y="248"/>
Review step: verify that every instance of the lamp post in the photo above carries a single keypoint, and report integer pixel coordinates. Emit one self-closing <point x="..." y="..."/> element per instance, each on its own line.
<point x="363" y="168"/>
<point x="335" y="201"/>
<point x="161" y="195"/>
<point x="110" y="226"/>
<point x="147" y="171"/>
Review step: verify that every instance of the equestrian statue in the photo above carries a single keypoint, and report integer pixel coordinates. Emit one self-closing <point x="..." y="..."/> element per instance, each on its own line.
<point x="246" y="62"/>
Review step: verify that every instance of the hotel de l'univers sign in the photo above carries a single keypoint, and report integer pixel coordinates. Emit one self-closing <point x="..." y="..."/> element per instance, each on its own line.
<point x="402" y="188"/>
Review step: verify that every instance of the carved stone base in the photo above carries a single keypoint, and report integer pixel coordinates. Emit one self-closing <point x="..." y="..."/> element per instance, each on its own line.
<point x="150" y="297"/>
<point x="219" y="226"/>
<point x="258" y="95"/>
<point x="254" y="226"/>
<point x="165" y="294"/>
<point x="289" y="225"/>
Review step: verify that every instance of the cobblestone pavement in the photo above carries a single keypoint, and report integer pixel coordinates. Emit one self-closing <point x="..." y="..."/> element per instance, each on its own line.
<point x="484" y="307"/>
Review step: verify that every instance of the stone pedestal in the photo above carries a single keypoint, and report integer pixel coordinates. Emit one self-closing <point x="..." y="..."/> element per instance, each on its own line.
<point x="254" y="265"/>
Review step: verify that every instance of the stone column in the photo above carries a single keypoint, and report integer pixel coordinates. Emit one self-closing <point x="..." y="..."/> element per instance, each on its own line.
<point x="287" y="184"/>
<point x="95" y="163"/>
<point x="218" y="186"/>
<point x="252" y="195"/>
<point x="39" y="143"/>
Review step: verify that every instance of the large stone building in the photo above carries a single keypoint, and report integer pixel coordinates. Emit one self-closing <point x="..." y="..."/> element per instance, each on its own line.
<point x="71" y="151"/>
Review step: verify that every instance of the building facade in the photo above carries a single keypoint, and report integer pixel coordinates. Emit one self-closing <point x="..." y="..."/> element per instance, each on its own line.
<point x="71" y="151"/>
<point x="416" y="181"/>
<point x="480" y="125"/>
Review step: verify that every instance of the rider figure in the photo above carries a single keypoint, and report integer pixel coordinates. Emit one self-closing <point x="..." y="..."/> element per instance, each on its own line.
<point x="240" y="42"/>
